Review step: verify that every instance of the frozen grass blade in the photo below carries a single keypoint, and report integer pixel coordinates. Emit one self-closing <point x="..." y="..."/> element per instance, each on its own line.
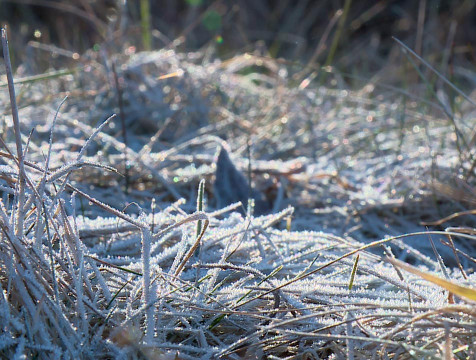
<point x="349" y="332"/>
<point x="274" y="272"/>
<point x="441" y="76"/>
<point x="338" y="33"/>
<point x="463" y="291"/>
<point x="134" y="157"/>
<point x="194" y="247"/>
<point x="46" y="76"/>
<point x="332" y="262"/>
<point x="16" y="126"/>
<point x="201" y="190"/>
<point x="146" y="285"/>
<point x="354" y="271"/>
<point x="430" y="88"/>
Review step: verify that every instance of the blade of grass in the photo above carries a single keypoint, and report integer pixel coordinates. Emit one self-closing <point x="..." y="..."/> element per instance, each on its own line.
<point x="271" y="274"/>
<point x="40" y="77"/>
<point x="337" y="36"/>
<point x="192" y="249"/>
<point x="462" y="291"/>
<point x="16" y="127"/>
<point x="201" y="190"/>
<point x="354" y="270"/>
<point x="145" y="24"/>
<point x="114" y="266"/>
<point x="350" y="253"/>
<point x="441" y="76"/>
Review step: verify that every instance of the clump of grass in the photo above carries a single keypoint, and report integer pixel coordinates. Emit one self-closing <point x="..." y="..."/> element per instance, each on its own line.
<point x="115" y="285"/>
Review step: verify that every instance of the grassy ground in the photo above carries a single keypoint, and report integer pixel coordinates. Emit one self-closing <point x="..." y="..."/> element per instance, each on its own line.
<point x="107" y="253"/>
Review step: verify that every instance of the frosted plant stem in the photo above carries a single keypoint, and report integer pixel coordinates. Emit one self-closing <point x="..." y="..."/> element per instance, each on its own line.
<point x="192" y="249"/>
<point x="145" y="163"/>
<point x="101" y="280"/>
<point x="79" y="298"/>
<point x="147" y="298"/>
<point x="83" y="149"/>
<point x="41" y="186"/>
<point x="39" y="225"/>
<point x="441" y="76"/>
<point x="16" y="127"/>
<point x="349" y="341"/>
<point x="41" y="205"/>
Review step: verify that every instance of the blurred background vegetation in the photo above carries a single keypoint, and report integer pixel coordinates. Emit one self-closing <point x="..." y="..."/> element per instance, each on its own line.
<point x="354" y="37"/>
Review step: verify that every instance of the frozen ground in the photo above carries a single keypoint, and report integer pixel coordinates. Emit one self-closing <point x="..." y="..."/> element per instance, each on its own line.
<point x="339" y="170"/>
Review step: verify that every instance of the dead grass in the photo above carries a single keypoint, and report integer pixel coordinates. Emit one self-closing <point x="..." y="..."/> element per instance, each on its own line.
<point x="84" y="279"/>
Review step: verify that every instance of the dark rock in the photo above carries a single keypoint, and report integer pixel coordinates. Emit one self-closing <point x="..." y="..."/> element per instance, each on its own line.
<point x="231" y="186"/>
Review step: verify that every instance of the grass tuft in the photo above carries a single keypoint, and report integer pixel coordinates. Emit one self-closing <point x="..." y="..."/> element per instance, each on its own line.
<point x="119" y="281"/>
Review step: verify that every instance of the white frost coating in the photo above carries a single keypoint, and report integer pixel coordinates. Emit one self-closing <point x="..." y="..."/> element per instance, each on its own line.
<point x="111" y="270"/>
<point x="148" y="298"/>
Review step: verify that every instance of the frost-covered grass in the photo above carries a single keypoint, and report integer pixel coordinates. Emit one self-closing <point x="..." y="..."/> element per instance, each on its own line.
<point x="139" y="278"/>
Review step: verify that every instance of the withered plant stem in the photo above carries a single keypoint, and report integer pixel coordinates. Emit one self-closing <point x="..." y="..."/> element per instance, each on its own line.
<point x="16" y="128"/>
